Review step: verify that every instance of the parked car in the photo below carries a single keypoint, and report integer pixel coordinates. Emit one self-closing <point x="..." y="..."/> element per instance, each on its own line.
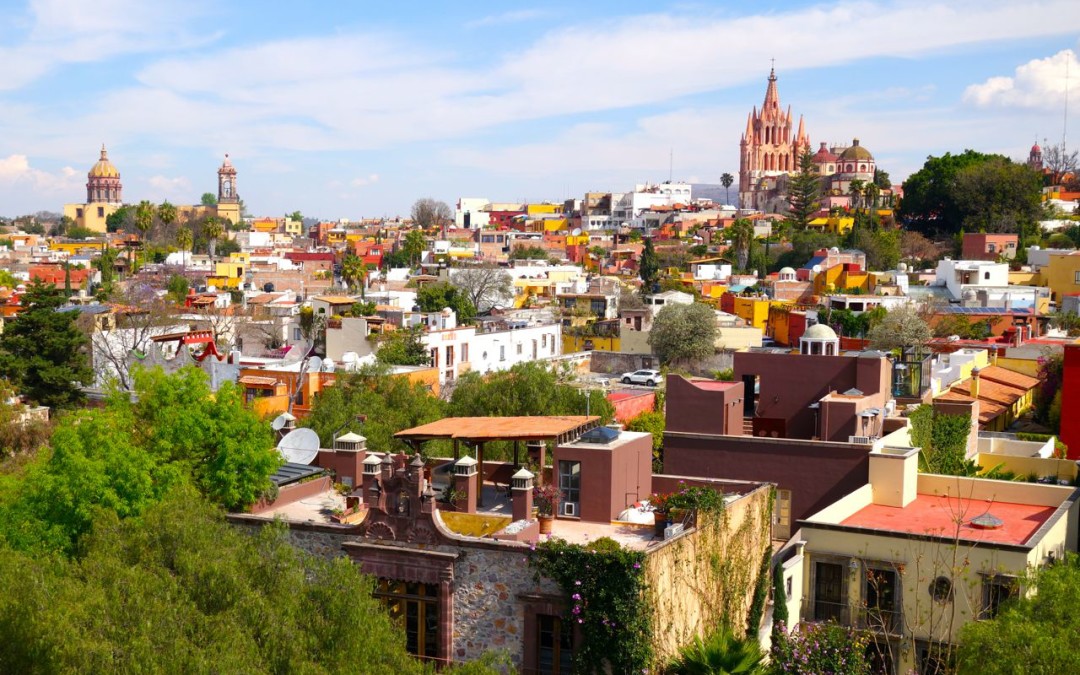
<point x="648" y="377"/>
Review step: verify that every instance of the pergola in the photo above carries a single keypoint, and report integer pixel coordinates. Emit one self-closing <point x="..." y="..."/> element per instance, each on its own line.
<point x="477" y="431"/>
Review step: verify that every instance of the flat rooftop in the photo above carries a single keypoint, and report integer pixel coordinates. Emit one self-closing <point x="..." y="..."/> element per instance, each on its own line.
<point x="939" y="515"/>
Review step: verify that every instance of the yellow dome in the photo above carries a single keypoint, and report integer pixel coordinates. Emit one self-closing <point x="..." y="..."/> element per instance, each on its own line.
<point x="104" y="168"/>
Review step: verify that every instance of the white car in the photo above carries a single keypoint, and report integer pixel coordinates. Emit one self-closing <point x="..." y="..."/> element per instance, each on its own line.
<point x="647" y="377"/>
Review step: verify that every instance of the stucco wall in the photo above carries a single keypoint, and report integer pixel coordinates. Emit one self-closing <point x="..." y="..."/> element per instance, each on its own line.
<point x="708" y="576"/>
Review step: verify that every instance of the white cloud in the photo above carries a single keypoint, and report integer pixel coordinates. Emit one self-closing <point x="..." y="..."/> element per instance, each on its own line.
<point x="1039" y="83"/>
<point x="173" y="189"/>
<point x="516" y="16"/>
<point x="370" y="179"/>
<point x="16" y="172"/>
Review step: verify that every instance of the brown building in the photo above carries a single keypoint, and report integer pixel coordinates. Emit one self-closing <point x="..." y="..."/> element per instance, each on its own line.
<point x="984" y="246"/>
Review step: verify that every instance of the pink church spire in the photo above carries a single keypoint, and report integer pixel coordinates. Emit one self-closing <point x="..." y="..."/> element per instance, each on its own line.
<point x="772" y="96"/>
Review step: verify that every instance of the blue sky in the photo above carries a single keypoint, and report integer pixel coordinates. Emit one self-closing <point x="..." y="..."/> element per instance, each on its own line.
<point x="350" y="109"/>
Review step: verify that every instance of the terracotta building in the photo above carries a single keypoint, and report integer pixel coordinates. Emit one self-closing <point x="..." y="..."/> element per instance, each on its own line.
<point x="769" y="152"/>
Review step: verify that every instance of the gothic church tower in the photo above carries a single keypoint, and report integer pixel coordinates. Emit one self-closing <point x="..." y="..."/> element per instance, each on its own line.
<point x="768" y="148"/>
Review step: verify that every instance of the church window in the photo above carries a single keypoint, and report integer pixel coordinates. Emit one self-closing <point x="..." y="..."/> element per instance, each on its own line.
<point x="101" y="212"/>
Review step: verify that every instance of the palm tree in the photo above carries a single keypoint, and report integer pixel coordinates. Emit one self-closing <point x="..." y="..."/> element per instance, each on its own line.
<point x="353" y="272"/>
<point x="855" y="189"/>
<point x="726" y="180"/>
<point x="183" y="242"/>
<point x="721" y="654"/>
<point x="741" y="234"/>
<point x="144" y="217"/>
<point x="213" y="230"/>
<point x="166" y="213"/>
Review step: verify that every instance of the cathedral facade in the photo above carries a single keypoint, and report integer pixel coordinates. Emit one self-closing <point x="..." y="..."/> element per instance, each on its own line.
<point x="769" y="152"/>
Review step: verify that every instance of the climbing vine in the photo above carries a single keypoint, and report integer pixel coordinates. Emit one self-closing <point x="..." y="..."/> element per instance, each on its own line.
<point x="604" y="586"/>
<point x="761" y="594"/>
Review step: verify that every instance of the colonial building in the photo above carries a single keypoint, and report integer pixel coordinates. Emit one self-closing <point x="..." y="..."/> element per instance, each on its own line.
<point x="104" y="195"/>
<point x="769" y="152"/>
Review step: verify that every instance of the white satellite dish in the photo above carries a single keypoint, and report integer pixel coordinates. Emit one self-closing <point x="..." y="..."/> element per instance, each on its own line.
<point x="300" y="446"/>
<point x="576" y="232"/>
<point x="314" y="364"/>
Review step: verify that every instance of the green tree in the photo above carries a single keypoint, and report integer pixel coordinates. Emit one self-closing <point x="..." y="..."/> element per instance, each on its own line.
<point x="523" y="252"/>
<point x="42" y="352"/>
<point x="438" y="296"/>
<point x="804" y="191"/>
<point x="167" y="214"/>
<point x="1035" y="634"/>
<point x="295" y="215"/>
<point x="930" y="201"/>
<point x="741" y="236"/>
<point x="529" y="388"/>
<point x="414" y="246"/>
<point x="721" y="653"/>
<point x="213" y="229"/>
<point x="999" y="195"/>
<point x="181" y="590"/>
<point x="184" y="239"/>
<point x="118" y="219"/>
<point x="649" y="267"/>
<point x="943" y="442"/>
<point x="404" y="347"/>
<point x="882" y="247"/>
<point x="683" y="333"/>
<point x="177" y="288"/>
<point x="389" y="403"/>
<point x="726" y="179"/>
<point x="208" y="199"/>
<point x="353" y="272"/>
<point x="144" y="218"/>
<point x="855" y="189"/>
<point x="881" y="179"/>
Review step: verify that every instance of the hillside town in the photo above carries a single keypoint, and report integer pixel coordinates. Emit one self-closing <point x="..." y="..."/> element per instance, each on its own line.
<point x="804" y="405"/>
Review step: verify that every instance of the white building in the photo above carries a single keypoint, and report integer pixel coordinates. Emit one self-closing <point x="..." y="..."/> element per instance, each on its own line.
<point x="658" y="301"/>
<point x="959" y="275"/>
<point x="628" y="208"/>
<point x="472" y="212"/>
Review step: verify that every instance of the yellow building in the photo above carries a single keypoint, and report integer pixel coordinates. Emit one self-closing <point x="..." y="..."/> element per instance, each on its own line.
<point x="884" y="557"/>
<point x="229" y="273"/>
<point x="844" y="278"/>
<point x="1062" y="275"/>
<point x="104" y="195"/>
<point x="543" y="209"/>
<point x="755" y="311"/>
<point x="834" y="224"/>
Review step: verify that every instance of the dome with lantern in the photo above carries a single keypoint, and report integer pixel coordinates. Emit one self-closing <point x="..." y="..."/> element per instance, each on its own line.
<point x="103" y="182"/>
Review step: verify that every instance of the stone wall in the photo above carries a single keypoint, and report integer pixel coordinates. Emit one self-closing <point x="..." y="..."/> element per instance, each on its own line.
<point x="707" y="577"/>
<point x="323" y="541"/>
<point x="487" y="612"/>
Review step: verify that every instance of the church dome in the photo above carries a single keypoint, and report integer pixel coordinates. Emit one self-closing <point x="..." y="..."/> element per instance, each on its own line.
<point x="1035" y="149"/>
<point x="857" y="152"/>
<point x="819" y="331"/>
<point x="226" y="166"/>
<point x="823" y="156"/>
<point x="785" y="271"/>
<point x="103" y="168"/>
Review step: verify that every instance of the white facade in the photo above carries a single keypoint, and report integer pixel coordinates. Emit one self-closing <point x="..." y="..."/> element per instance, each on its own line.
<point x="476" y="208"/>
<point x="958" y="275"/>
<point x="658" y="301"/>
<point x="627" y="208"/>
<point x="456" y="350"/>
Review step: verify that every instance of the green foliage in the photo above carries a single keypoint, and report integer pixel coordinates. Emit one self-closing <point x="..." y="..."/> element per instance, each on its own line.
<point x="436" y="297"/>
<point x="741" y="236"/>
<point x="721" y="653"/>
<point x="115" y="221"/>
<point x="780" y="608"/>
<point x="414" y="245"/>
<point x="403" y="347"/>
<point x="529" y="388"/>
<point x="529" y="253"/>
<point x="1051" y="377"/>
<point x="882" y="247"/>
<point x="971" y="190"/>
<point x="804" y="190"/>
<point x="390" y="403"/>
<point x="683" y="333"/>
<point x="80" y="233"/>
<point x="19" y="435"/>
<point x="724" y="375"/>
<point x="180" y="590"/>
<point x="1032" y="635"/>
<point x="208" y="199"/>
<point x="943" y="440"/>
<point x="696" y="498"/>
<point x="42" y="352"/>
<point x="648" y="267"/>
<point x="177" y="288"/>
<point x="821" y="648"/>
<point x="650" y="422"/>
<point x="761" y="594"/>
<point x="604" y="586"/>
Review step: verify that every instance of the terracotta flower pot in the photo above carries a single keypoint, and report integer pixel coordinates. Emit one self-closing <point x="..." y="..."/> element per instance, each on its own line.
<point x="660" y="522"/>
<point x="545" y="524"/>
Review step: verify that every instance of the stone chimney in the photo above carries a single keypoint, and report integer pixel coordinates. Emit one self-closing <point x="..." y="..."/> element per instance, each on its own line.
<point x="370" y="480"/>
<point x="975" y="383"/>
<point x="416" y="474"/>
<point x="465" y="484"/>
<point x="387" y="467"/>
<point x="522" y="491"/>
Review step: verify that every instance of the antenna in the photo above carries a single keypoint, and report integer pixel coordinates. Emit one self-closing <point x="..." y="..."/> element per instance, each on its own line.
<point x="300" y="446"/>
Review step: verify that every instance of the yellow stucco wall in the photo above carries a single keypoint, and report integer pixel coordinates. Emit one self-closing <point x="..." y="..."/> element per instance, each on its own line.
<point x="1060" y="275"/>
<point x="575" y="343"/>
<point x="93" y="215"/>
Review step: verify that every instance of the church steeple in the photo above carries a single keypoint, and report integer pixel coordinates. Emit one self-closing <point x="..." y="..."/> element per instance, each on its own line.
<point x="772" y="96"/>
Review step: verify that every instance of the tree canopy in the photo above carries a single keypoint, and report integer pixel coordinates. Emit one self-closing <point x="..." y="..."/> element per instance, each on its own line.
<point x="528" y="388"/>
<point x="804" y="191"/>
<point x="42" y="352"/>
<point x="485" y="286"/>
<point x="429" y="213"/>
<point x="1035" y="634"/>
<point x="901" y="327"/>
<point x="649" y="267"/>
<point x="390" y="404"/>
<point x="403" y="347"/>
<point x="438" y="296"/>
<point x="972" y="190"/>
<point x="683" y="333"/>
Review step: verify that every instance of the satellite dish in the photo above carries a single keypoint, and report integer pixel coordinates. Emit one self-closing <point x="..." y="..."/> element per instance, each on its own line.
<point x="314" y="364"/>
<point x="300" y="446"/>
<point x="576" y="232"/>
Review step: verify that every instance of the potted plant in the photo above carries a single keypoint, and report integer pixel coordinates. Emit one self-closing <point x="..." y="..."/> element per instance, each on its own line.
<point x="546" y="498"/>
<point x="659" y="503"/>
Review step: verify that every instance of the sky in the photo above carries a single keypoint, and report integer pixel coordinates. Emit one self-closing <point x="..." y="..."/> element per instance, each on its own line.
<point x="357" y="109"/>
